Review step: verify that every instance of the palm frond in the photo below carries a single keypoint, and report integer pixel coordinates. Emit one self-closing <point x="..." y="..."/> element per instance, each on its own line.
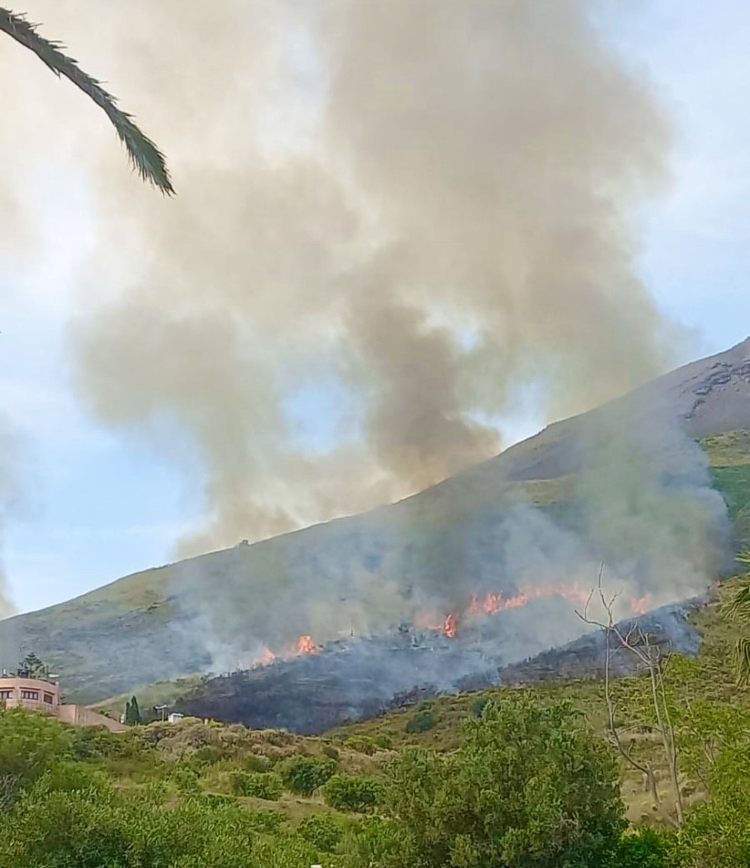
<point x="147" y="159"/>
<point x="737" y="606"/>
<point x="742" y="660"/>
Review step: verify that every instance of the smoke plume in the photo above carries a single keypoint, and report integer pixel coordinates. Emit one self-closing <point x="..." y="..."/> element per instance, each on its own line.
<point x="11" y="498"/>
<point x="428" y="203"/>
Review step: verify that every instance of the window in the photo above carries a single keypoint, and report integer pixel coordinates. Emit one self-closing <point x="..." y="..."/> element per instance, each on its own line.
<point x="30" y="694"/>
<point x="48" y="698"/>
<point x="5" y="694"/>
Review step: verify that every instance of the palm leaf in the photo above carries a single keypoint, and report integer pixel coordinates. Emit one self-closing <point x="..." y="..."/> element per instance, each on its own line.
<point x="145" y="156"/>
<point x="742" y="660"/>
<point x="737" y="607"/>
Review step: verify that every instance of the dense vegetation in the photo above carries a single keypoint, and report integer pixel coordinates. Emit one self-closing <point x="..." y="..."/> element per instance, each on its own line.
<point x="508" y="778"/>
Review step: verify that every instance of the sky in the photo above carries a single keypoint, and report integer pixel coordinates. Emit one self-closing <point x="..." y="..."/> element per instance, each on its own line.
<point x="95" y="506"/>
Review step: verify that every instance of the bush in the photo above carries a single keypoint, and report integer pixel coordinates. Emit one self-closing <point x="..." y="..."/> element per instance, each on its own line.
<point x="186" y="779"/>
<point x="256" y="784"/>
<point x="304" y="774"/>
<point x="89" y="829"/>
<point x="421" y="721"/>
<point x="362" y="744"/>
<point x="268" y="822"/>
<point x="209" y="754"/>
<point x="645" y="848"/>
<point x="254" y="763"/>
<point x="384" y="741"/>
<point x="323" y="832"/>
<point x="529" y="786"/>
<point x="360" y="793"/>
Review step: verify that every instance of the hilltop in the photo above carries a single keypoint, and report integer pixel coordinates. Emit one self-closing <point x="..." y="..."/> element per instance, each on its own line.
<point x="194" y="616"/>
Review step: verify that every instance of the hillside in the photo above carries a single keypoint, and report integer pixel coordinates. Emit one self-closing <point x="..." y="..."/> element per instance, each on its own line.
<point x="709" y="679"/>
<point x="215" y="612"/>
<point x="206" y="757"/>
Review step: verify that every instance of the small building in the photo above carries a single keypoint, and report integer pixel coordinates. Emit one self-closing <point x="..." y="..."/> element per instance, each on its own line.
<point x="35" y="693"/>
<point x="175" y="717"/>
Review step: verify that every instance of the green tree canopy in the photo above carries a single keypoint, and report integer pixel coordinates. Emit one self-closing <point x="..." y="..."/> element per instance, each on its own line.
<point x="32" y="664"/>
<point x="530" y="787"/>
<point x="132" y="712"/>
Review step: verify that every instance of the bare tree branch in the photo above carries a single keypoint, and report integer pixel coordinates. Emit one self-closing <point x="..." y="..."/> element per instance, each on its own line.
<point x="637" y="642"/>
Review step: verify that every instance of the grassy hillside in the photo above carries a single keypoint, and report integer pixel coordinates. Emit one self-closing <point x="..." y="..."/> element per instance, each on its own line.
<point x="153" y="626"/>
<point x="710" y="679"/>
<point x="206" y="756"/>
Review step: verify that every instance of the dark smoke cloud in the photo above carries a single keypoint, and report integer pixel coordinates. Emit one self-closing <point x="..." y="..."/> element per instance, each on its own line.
<point x="429" y="201"/>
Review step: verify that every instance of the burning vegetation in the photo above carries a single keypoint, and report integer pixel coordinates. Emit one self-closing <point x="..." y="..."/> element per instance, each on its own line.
<point x="479" y="607"/>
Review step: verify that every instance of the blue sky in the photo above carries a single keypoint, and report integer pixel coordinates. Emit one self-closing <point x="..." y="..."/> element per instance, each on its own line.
<point x="98" y="506"/>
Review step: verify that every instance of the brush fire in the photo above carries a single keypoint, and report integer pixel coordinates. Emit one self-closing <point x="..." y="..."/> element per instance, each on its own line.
<point x="479" y="607"/>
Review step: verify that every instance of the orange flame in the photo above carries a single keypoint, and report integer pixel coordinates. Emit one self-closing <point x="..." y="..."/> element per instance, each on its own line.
<point x="493" y="603"/>
<point x="306" y="645"/>
<point x="641" y="605"/>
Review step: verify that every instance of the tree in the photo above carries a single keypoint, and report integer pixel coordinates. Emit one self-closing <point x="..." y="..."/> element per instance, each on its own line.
<point x="638" y="643"/>
<point x="132" y="712"/>
<point x="359" y="793"/>
<point x="529" y="787"/>
<point x="34" y="666"/>
<point x="144" y="155"/>
<point x="30" y="745"/>
<point x="304" y="774"/>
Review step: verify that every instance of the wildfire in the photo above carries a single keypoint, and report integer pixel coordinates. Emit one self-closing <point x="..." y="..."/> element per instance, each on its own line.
<point x="268" y="657"/>
<point x="450" y="628"/>
<point x="306" y="645"/>
<point x="493" y="603"/>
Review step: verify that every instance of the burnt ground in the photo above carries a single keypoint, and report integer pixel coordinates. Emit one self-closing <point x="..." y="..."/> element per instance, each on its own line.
<point x="363" y="678"/>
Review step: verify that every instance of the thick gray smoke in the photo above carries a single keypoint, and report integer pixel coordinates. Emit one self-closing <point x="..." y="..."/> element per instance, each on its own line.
<point x="641" y="508"/>
<point x="428" y="202"/>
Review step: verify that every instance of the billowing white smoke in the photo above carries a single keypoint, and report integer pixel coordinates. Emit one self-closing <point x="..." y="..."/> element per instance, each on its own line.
<point x="428" y="202"/>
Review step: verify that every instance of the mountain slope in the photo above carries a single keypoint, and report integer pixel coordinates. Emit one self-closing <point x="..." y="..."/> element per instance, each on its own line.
<point x="216" y="611"/>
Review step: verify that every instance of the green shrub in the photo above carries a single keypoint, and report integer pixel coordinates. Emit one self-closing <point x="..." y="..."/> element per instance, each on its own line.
<point x="360" y="793"/>
<point x="256" y="784"/>
<point x="209" y="754"/>
<point x="362" y="744"/>
<point x="645" y="848"/>
<point x="268" y="822"/>
<point x="254" y="763"/>
<point x="383" y="741"/>
<point x="421" y="721"/>
<point x="528" y="786"/>
<point x="186" y="779"/>
<point x="304" y="774"/>
<point x="323" y="832"/>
